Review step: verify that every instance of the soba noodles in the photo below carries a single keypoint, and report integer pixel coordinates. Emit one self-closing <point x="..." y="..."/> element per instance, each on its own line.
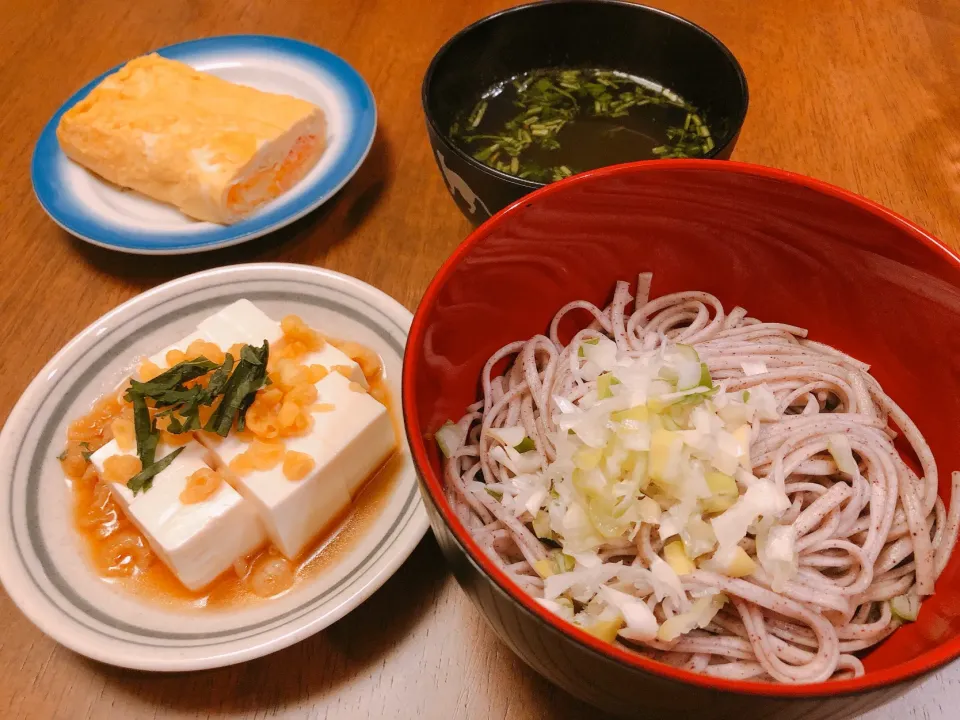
<point x="716" y="492"/>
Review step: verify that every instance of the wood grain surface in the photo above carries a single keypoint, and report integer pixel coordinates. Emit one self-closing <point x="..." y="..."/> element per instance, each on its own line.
<point x="860" y="93"/>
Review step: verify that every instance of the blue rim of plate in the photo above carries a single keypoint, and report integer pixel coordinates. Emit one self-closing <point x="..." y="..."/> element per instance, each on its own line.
<point x="361" y="122"/>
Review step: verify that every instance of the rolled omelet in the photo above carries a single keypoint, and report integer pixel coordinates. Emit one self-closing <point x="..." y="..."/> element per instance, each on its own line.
<point x="212" y="148"/>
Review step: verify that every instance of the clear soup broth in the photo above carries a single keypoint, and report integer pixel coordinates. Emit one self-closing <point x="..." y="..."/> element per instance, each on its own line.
<point x="548" y="124"/>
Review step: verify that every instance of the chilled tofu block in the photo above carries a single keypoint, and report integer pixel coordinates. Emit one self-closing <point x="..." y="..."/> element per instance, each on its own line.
<point x="330" y="357"/>
<point x="347" y="445"/>
<point x="197" y="541"/>
<point x="240" y="322"/>
<point x="293" y="512"/>
<point x="357" y="436"/>
<point x="244" y="322"/>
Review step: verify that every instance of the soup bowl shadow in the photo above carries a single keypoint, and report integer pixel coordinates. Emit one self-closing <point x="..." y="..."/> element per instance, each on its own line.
<point x="787" y="248"/>
<point x="608" y="34"/>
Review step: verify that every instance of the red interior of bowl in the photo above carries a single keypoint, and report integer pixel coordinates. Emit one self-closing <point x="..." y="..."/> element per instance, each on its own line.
<point x="788" y="248"/>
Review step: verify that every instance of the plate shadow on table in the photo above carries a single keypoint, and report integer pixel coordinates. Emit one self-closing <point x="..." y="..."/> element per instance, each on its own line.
<point x="305" y="241"/>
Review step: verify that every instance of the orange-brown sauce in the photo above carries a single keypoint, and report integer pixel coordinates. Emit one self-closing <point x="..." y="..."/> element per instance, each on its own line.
<point x="121" y="555"/>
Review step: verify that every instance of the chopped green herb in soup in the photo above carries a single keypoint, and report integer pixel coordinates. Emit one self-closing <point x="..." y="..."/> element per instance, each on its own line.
<point x="548" y="124"/>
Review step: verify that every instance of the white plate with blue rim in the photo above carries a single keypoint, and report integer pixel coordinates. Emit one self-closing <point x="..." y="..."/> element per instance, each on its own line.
<point x="105" y="215"/>
<point x="45" y="565"/>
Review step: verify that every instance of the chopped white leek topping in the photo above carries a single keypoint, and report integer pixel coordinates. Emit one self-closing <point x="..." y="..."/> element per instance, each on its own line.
<point x="509" y="436"/>
<point x="732" y="561"/>
<point x="906" y="607"/>
<point x="650" y="439"/>
<point x="753" y="368"/>
<point x="677" y="557"/>
<point x="636" y="615"/>
<point x="839" y="447"/>
<point x="699" y="616"/>
<point x="561" y="607"/>
<point x="517" y="462"/>
<point x="777" y="552"/>
<point x="600" y="355"/>
<point x="648" y="511"/>
<point x="666" y="581"/>
<point x="450" y="437"/>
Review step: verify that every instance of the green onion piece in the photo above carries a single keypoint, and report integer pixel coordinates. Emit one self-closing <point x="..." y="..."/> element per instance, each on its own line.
<point x="588" y="341"/>
<point x="669" y="423"/>
<point x="565" y="563"/>
<point x="604" y="383"/>
<point x="484" y="154"/>
<point x="448" y="438"/>
<point x="477" y="115"/>
<point x="705" y="379"/>
<point x="541" y="526"/>
<point x="525" y="445"/>
<point x="906" y="607"/>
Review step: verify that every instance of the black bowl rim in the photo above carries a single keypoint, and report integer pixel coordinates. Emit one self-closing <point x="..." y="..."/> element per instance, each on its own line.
<point x="445" y="48"/>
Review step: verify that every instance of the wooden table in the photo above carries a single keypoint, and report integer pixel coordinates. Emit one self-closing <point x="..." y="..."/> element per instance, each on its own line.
<point x="860" y="93"/>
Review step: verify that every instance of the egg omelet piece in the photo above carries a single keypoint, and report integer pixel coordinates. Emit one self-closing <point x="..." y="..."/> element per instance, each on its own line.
<point x="214" y="149"/>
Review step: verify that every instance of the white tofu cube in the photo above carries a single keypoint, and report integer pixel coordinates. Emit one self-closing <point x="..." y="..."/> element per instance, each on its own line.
<point x="293" y="513"/>
<point x="241" y="322"/>
<point x="356" y="437"/>
<point x="198" y="541"/>
<point x="244" y="322"/>
<point x="330" y="357"/>
<point x="347" y="444"/>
